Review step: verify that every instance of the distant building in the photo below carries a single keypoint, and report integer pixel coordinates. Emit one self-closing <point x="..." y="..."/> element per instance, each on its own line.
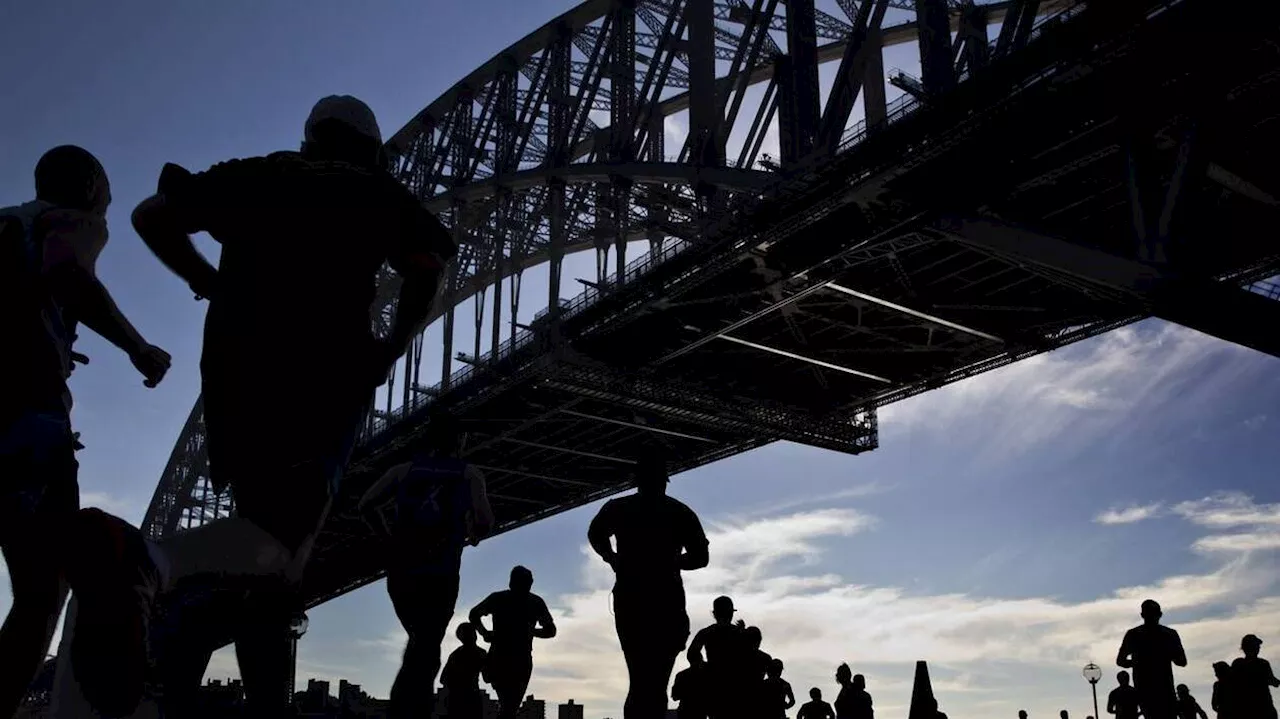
<point x="569" y="711"/>
<point x="532" y="709"/>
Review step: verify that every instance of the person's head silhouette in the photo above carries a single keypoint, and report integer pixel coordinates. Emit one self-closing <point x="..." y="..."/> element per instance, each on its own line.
<point x="754" y="637"/>
<point x="466" y="633"/>
<point x="1183" y="691"/>
<point x="859" y="682"/>
<point x="342" y="128"/>
<point x="775" y="668"/>
<point x="1063" y="714"/>
<point x="722" y="610"/>
<point x="443" y="437"/>
<point x="651" y="476"/>
<point x="521" y="579"/>
<point x="815" y="694"/>
<point x="1123" y="678"/>
<point x="1221" y="670"/>
<point x="1151" y="612"/>
<point x="1251" y="645"/>
<point x="72" y="178"/>
<point x="1022" y="714"/>
<point x="844" y="675"/>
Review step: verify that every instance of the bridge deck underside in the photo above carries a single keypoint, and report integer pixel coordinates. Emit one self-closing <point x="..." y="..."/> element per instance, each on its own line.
<point x="856" y="270"/>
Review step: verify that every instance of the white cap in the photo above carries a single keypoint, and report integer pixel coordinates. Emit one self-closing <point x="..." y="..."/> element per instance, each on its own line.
<point x="345" y="109"/>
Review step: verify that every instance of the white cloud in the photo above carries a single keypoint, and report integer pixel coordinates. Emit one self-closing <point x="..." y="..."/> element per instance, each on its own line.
<point x="125" y="508"/>
<point x="1255" y="422"/>
<point x="1097" y="391"/>
<point x="981" y="649"/>
<point x="1129" y="515"/>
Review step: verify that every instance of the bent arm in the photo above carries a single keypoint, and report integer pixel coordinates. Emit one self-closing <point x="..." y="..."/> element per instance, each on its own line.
<point x="1179" y="654"/>
<point x="479" y="612"/>
<point x="600" y="534"/>
<point x="788" y="697"/>
<point x="482" y="519"/>
<point x="546" y="628"/>
<point x="696" y="553"/>
<point x="420" y="256"/>
<point x="1122" y="656"/>
<point x="163" y="230"/>
<point x="392" y="477"/>
<point x="694" y="655"/>
<point x="72" y="242"/>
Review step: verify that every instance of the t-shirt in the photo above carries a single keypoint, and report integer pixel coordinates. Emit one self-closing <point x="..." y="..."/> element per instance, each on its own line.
<point x="725" y="646"/>
<point x="651" y="533"/>
<point x="816" y="709"/>
<point x="776" y="690"/>
<point x="34" y="238"/>
<point x="462" y="671"/>
<point x="1125" y="702"/>
<point x="432" y="502"/>
<point x="1153" y="649"/>
<point x="515" y="614"/>
<point x="302" y="242"/>
<point x="1251" y="687"/>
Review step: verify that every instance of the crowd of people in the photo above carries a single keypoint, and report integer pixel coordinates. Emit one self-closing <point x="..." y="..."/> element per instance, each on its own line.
<point x="304" y="235"/>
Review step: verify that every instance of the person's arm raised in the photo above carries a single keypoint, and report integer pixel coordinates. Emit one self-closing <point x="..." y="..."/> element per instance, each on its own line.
<point x="185" y="203"/>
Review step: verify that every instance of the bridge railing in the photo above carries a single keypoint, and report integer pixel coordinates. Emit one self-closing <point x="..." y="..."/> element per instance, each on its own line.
<point x="638" y="268"/>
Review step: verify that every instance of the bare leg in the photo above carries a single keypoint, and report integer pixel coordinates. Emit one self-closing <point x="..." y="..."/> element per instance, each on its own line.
<point x="38" y="596"/>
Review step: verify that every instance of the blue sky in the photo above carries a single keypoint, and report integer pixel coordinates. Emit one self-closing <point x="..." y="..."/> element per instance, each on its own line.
<point x="1006" y="530"/>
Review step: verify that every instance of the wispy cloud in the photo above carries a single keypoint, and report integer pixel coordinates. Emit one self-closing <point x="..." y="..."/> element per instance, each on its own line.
<point x="1255" y="422"/>
<point x="1129" y="515"/>
<point x="1098" y="391"/>
<point x="778" y="571"/>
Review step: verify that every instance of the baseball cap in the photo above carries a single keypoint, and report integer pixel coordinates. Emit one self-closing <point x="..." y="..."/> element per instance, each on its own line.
<point x="346" y="109"/>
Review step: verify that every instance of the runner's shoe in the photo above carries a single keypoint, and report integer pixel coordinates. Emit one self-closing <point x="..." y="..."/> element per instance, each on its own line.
<point x="115" y="582"/>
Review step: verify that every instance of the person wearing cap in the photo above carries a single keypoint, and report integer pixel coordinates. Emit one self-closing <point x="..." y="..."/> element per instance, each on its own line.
<point x="440" y="506"/>
<point x="726" y="647"/>
<point x="1252" y="680"/>
<point x="48" y="251"/>
<point x="649" y="538"/>
<point x="304" y="236"/>
<point x="1151" y="650"/>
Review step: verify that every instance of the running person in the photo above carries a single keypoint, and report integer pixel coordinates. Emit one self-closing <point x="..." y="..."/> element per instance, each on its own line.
<point x="304" y="236"/>
<point x="440" y="507"/>
<point x="48" y="251"/>
<point x="519" y="615"/>
<point x="657" y="537"/>
<point x="726" y="646"/>
<point x="461" y="677"/>
<point x="1151" y="651"/>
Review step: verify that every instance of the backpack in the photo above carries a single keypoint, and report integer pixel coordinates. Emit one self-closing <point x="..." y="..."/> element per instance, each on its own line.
<point x="29" y="318"/>
<point x="432" y="502"/>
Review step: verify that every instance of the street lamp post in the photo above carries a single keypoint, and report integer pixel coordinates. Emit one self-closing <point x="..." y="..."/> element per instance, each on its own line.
<point x="298" y="624"/>
<point x="1093" y="673"/>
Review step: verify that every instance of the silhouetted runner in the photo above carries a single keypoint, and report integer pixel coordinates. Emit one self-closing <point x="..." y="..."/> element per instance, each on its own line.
<point x="853" y="701"/>
<point x="304" y="236"/>
<point x="1188" y="707"/>
<point x="1252" y="680"/>
<point x="1123" y="700"/>
<point x="519" y="615"/>
<point x="461" y="677"/>
<point x="440" y="506"/>
<point x="1223" y="699"/>
<point x="49" y="249"/>
<point x="656" y="537"/>
<point x="690" y="689"/>
<point x="755" y="669"/>
<point x="815" y="708"/>
<point x="778" y="695"/>
<point x="1151" y="651"/>
<point x="725" y="644"/>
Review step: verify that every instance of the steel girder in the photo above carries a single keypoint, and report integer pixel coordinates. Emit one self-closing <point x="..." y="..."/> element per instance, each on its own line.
<point x="558" y="144"/>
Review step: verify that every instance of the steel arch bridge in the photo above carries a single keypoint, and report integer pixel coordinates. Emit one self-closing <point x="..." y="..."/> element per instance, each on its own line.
<point x="513" y="158"/>
<point x="559" y="144"/>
